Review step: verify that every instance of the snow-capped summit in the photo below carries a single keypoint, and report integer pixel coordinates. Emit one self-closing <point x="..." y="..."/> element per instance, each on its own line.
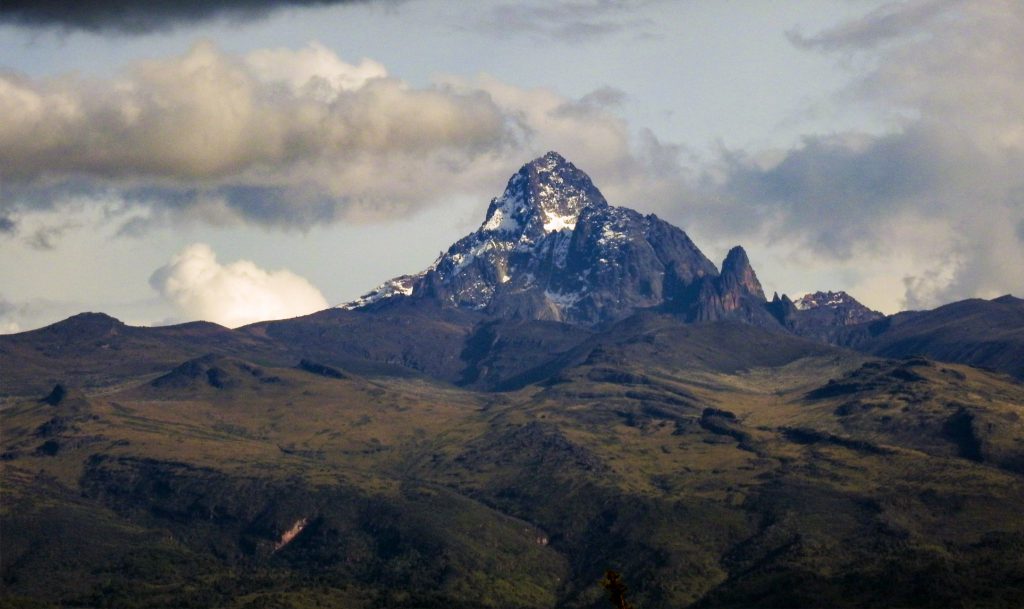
<point x="823" y="299"/>
<point x="547" y="194"/>
<point x="399" y="286"/>
<point x="551" y="247"/>
<point x="530" y="223"/>
<point x="533" y="219"/>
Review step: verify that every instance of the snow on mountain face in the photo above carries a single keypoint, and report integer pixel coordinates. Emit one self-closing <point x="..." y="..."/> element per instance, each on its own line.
<point x="531" y="221"/>
<point x="822" y="299"/>
<point x="546" y="195"/>
<point x="835" y="308"/>
<point x="550" y="247"/>
<point x="399" y="286"/>
<point x="537" y="212"/>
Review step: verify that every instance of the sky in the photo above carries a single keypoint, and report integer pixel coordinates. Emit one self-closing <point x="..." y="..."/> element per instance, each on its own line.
<point x="237" y="160"/>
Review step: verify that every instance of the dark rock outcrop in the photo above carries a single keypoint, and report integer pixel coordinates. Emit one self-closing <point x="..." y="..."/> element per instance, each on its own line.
<point x="736" y="293"/>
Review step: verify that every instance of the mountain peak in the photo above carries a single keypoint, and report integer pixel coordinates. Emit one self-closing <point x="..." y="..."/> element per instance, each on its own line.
<point x="735" y="260"/>
<point x="549" y="160"/>
<point x="824" y="299"/>
<point x="551" y="247"/>
<point x="87" y="324"/>
<point x="736" y="267"/>
<point x="833" y="309"/>
<point x="92" y="318"/>
<point x="547" y="194"/>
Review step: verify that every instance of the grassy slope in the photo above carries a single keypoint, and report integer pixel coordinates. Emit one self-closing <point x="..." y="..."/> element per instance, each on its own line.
<point x="984" y="333"/>
<point x="706" y="479"/>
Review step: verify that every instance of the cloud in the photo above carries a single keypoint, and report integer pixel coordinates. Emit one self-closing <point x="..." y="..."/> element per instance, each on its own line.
<point x="891" y="21"/>
<point x="7" y="225"/>
<point x="276" y="137"/>
<point x="942" y="187"/>
<point x="315" y="69"/>
<point x="574" y="20"/>
<point x="7" y="325"/>
<point x="288" y="139"/>
<point x="834" y="190"/>
<point x="46" y="237"/>
<point x="24" y="315"/>
<point x="208" y="115"/>
<point x="594" y="104"/>
<point x="134" y="17"/>
<point x="234" y="294"/>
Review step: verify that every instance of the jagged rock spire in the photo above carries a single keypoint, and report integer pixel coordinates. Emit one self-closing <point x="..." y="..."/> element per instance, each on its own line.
<point x="737" y="270"/>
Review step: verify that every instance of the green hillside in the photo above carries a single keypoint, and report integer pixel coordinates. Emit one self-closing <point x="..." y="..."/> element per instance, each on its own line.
<point x="714" y="465"/>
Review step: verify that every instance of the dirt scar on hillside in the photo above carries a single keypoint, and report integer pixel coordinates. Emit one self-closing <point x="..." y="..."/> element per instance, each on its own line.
<point x="290" y="534"/>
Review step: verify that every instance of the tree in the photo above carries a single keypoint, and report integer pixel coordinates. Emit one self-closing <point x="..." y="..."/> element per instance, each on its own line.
<point x="616" y="588"/>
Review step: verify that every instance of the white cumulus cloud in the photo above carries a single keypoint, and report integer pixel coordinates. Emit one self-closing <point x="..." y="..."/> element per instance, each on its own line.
<point x="289" y="138"/>
<point x="314" y="69"/>
<point x="275" y="137"/>
<point x="232" y="294"/>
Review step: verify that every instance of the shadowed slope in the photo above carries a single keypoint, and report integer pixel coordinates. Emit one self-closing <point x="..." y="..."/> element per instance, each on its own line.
<point x="94" y="350"/>
<point x="985" y="333"/>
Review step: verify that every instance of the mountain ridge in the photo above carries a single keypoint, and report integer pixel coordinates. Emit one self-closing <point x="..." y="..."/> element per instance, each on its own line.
<point x="550" y="249"/>
<point x="501" y="448"/>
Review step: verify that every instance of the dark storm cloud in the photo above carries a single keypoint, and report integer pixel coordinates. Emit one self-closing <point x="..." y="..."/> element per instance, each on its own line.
<point x="141" y="17"/>
<point x="267" y="206"/>
<point x="836" y="190"/>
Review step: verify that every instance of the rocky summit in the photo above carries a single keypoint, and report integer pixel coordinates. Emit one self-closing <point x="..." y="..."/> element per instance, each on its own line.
<point x="839" y="307"/>
<point x="552" y="248"/>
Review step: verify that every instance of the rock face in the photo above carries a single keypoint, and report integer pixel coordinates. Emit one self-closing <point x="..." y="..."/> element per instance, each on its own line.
<point x="834" y="308"/>
<point x="734" y="294"/>
<point x="525" y="240"/>
<point x="552" y="248"/>
<point x="824" y="316"/>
